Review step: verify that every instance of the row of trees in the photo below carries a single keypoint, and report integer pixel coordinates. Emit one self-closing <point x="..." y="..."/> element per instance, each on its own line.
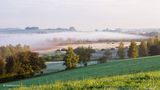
<point x="82" y="55"/>
<point x="19" y="61"/>
<point x="146" y="48"/>
<point x="79" y="55"/>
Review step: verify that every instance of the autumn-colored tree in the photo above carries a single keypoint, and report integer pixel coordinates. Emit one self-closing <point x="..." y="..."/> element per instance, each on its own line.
<point x="71" y="59"/>
<point x="133" y="50"/>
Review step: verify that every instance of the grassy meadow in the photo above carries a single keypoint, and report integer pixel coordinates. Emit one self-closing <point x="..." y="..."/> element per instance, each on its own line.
<point x="141" y="73"/>
<point x="138" y="81"/>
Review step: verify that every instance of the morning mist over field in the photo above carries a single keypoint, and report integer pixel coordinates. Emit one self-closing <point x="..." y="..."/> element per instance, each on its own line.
<point x="41" y="40"/>
<point x="79" y="44"/>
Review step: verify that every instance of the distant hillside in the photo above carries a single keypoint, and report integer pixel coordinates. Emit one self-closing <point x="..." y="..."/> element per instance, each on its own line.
<point x="113" y="68"/>
<point x="35" y="30"/>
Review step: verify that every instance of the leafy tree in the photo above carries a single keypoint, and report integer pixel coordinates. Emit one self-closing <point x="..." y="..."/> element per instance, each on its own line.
<point x="19" y="61"/>
<point x="11" y="50"/>
<point x="24" y="64"/>
<point x="150" y="42"/>
<point x="84" y="54"/>
<point x="29" y="63"/>
<point x="1" y="66"/>
<point x="11" y="64"/>
<point x="106" y="56"/>
<point x="156" y="40"/>
<point x="71" y="59"/>
<point x="154" y="50"/>
<point x="121" y="51"/>
<point x="36" y="62"/>
<point x="154" y="46"/>
<point x="153" y="41"/>
<point x="133" y="50"/>
<point x="143" y="49"/>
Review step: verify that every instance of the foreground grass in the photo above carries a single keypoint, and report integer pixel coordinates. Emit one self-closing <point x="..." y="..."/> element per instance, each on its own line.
<point x="139" y="81"/>
<point x="96" y="71"/>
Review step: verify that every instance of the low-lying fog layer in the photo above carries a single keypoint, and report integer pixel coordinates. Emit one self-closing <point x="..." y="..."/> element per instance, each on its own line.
<point x="35" y="40"/>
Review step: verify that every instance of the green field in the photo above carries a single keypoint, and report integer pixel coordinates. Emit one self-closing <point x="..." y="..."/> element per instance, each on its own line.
<point x="97" y="73"/>
<point x="138" y="81"/>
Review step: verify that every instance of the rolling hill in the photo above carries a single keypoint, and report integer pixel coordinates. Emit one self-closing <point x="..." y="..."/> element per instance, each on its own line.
<point x="115" y="71"/>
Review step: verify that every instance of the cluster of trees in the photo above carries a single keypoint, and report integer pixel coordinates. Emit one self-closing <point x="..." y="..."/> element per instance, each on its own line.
<point x="19" y="62"/>
<point x="79" y="55"/>
<point x="8" y="50"/>
<point x="82" y="55"/>
<point x="146" y="48"/>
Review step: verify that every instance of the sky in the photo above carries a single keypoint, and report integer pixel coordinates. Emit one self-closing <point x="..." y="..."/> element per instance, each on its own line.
<point x="84" y="15"/>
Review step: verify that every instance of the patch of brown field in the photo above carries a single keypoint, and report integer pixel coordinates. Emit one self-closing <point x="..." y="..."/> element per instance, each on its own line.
<point x="51" y="48"/>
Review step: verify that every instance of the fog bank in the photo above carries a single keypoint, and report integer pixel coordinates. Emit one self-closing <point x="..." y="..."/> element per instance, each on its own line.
<point x="36" y="40"/>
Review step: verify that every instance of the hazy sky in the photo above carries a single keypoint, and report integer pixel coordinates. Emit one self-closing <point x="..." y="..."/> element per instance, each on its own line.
<point x="83" y="14"/>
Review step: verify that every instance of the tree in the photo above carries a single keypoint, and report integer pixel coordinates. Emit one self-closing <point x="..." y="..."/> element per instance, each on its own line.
<point x="143" y="49"/>
<point x="154" y="46"/>
<point x="154" y="50"/>
<point x="11" y="64"/>
<point x="133" y="50"/>
<point x="71" y="59"/>
<point x="156" y="40"/>
<point x="107" y="55"/>
<point x="121" y="51"/>
<point x="30" y="63"/>
<point x="1" y="66"/>
<point x="11" y="50"/>
<point x="19" y="62"/>
<point x="84" y="54"/>
<point x="37" y="63"/>
<point x="24" y="64"/>
<point x="152" y="41"/>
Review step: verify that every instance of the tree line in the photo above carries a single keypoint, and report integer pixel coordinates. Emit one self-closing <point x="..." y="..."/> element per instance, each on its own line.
<point x="82" y="55"/>
<point x="19" y="62"/>
<point x="149" y="47"/>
